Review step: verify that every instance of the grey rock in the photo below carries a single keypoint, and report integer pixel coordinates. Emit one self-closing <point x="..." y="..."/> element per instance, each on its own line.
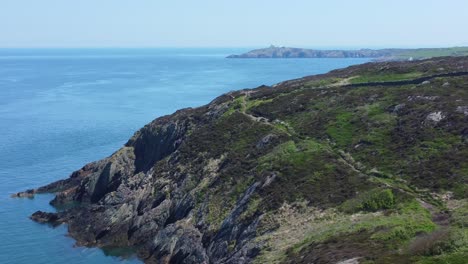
<point x="265" y="141"/>
<point x="398" y="108"/>
<point x="44" y="217"/>
<point x="26" y="194"/>
<point x="435" y="117"/>
<point x="462" y="109"/>
<point x="350" y="261"/>
<point x="178" y="244"/>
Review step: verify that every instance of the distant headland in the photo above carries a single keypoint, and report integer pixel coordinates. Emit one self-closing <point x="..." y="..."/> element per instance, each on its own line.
<point x="377" y="54"/>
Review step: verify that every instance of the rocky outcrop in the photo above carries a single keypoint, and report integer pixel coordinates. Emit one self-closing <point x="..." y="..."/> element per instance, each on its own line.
<point x="435" y="117"/>
<point x="44" y="217"/>
<point x="211" y="184"/>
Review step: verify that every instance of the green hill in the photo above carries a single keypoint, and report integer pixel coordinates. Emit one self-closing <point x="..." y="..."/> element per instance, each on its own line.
<point x="367" y="164"/>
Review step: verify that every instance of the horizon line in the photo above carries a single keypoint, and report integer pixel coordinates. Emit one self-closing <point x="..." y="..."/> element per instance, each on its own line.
<point x="241" y="47"/>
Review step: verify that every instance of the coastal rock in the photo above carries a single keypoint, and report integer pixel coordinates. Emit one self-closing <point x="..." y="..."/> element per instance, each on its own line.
<point x="44" y="217"/>
<point x="210" y="184"/>
<point x="26" y="194"/>
<point x="179" y="244"/>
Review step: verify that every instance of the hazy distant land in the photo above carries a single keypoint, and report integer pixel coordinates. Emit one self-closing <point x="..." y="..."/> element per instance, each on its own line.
<point x="377" y="54"/>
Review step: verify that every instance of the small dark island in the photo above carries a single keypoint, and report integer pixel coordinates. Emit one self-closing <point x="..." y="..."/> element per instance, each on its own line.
<point x="377" y="54"/>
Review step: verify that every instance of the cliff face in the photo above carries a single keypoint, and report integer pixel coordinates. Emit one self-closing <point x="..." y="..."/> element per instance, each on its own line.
<point x="360" y="164"/>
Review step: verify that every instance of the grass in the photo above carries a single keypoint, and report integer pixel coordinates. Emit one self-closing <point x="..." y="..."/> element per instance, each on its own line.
<point x="398" y="227"/>
<point x="434" y="147"/>
<point x="441" y="244"/>
<point x="392" y="230"/>
<point x="307" y="170"/>
<point x="386" y="77"/>
<point x="252" y="208"/>
<point x="429" y="53"/>
<point x="452" y="258"/>
<point x="322" y="82"/>
<point x="254" y="103"/>
<point x="235" y="106"/>
<point x="341" y="129"/>
<point x="290" y="153"/>
<point x="376" y="113"/>
<point x="243" y="104"/>
<point x="218" y="209"/>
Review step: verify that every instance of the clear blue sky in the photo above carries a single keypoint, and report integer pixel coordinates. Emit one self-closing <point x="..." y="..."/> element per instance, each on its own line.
<point x="233" y="23"/>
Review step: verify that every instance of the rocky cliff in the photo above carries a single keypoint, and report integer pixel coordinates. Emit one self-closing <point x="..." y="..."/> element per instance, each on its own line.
<point x="363" y="164"/>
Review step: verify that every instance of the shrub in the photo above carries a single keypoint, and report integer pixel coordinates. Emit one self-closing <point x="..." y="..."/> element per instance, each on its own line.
<point x="442" y="242"/>
<point x="431" y="244"/>
<point x="370" y="201"/>
<point x="460" y="191"/>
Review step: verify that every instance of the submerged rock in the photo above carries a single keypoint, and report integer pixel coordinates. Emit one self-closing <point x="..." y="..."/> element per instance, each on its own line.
<point x="26" y="194"/>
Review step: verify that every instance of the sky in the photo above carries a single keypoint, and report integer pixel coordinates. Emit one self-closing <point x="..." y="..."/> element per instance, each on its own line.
<point x="233" y="23"/>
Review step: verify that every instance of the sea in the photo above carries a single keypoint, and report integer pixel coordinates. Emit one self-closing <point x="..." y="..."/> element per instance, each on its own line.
<point x="63" y="108"/>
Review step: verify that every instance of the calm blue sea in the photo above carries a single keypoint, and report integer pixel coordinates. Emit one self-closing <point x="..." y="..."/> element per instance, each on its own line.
<point x="60" y="109"/>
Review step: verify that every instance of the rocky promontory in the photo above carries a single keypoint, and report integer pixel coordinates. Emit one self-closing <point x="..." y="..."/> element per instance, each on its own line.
<point x="376" y="54"/>
<point x="363" y="164"/>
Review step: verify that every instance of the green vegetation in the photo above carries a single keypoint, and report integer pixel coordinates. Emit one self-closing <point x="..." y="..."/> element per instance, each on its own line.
<point x="217" y="211"/>
<point x="431" y="53"/>
<point x="322" y="82"/>
<point x="253" y="103"/>
<point x="460" y="191"/>
<point x="400" y="156"/>
<point x="448" y="244"/>
<point x="242" y="104"/>
<point x="370" y="201"/>
<point x="452" y="258"/>
<point x="383" y="233"/>
<point x="342" y="129"/>
<point x="235" y="106"/>
<point x="304" y="171"/>
<point x="252" y="208"/>
<point x="292" y="154"/>
<point x="386" y="77"/>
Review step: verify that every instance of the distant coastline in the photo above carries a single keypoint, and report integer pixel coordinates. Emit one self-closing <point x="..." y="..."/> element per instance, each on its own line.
<point x="376" y="54"/>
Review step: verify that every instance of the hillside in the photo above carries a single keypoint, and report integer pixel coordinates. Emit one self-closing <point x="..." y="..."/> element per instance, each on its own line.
<point x="380" y="54"/>
<point x="367" y="164"/>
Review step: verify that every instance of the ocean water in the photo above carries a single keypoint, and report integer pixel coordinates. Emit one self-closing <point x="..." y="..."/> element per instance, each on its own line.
<point x="60" y="109"/>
